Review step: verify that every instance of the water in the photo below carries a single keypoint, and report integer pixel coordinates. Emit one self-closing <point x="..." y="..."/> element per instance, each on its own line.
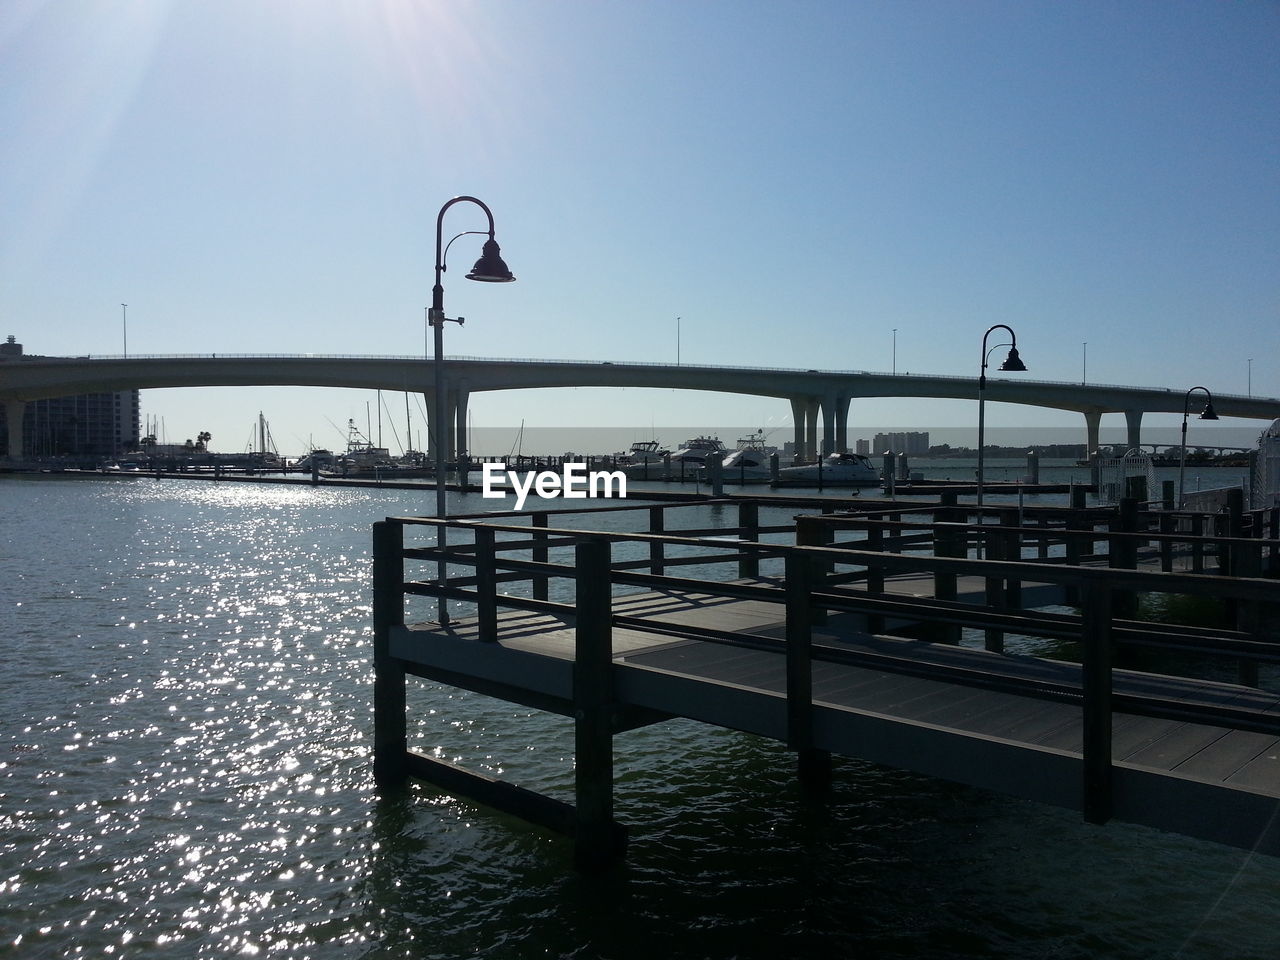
<point x="185" y="772"/>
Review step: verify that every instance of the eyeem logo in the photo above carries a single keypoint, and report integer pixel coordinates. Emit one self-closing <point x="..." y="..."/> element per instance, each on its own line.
<point x="573" y="482"/>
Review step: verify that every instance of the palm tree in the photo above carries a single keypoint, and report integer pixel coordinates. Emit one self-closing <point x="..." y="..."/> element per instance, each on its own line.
<point x="203" y="439"/>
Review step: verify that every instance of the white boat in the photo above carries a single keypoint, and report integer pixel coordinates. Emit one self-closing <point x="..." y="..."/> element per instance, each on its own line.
<point x="318" y="458"/>
<point x="689" y="462"/>
<point x="836" y="470"/>
<point x="750" y="462"/>
<point x="695" y="451"/>
<point x="646" y="458"/>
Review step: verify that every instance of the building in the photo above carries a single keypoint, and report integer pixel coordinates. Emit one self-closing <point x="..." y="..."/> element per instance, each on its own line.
<point x="86" y="425"/>
<point x="862" y="446"/>
<point x="910" y="443"/>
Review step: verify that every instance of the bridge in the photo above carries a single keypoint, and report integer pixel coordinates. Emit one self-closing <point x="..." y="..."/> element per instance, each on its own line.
<point x="816" y="396"/>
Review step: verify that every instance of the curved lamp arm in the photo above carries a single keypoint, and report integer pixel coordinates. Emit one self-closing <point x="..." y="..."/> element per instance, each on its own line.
<point x="437" y="291"/>
<point x="1012" y="362"/>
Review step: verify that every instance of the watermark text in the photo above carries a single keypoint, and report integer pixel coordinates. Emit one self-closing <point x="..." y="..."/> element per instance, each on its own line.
<point x="573" y="482"/>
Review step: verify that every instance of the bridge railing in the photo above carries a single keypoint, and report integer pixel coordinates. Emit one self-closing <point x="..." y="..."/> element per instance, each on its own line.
<point x="620" y="363"/>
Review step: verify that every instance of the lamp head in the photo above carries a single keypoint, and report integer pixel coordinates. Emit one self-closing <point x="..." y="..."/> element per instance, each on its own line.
<point x="1013" y="362"/>
<point x="1209" y="413"/>
<point x="490" y="268"/>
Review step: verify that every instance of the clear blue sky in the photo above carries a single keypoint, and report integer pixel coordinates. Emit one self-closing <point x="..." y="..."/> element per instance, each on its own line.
<point x="793" y="180"/>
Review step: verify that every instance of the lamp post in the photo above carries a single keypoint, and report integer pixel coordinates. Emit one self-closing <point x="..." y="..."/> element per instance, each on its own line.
<point x="1084" y="362"/>
<point x="895" y="351"/>
<point x="124" y="326"/>
<point x="488" y="269"/>
<point x="1012" y="363"/>
<point x="1206" y="414"/>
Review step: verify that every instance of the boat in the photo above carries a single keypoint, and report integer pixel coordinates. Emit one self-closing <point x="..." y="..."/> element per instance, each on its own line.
<point x="835" y="470"/>
<point x="646" y="458"/>
<point x="690" y="460"/>
<point x="317" y="459"/>
<point x="364" y="460"/>
<point x="750" y="462"/>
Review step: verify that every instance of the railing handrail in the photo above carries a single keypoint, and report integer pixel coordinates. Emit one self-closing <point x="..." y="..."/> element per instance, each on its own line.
<point x="1240" y="588"/>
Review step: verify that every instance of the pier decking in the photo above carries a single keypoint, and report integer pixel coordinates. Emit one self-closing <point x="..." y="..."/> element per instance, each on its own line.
<point x="853" y="651"/>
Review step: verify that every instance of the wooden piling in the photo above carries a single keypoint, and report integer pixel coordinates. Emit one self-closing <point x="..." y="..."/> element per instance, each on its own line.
<point x="813" y="765"/>
<point x="749" y="529"/>
<point x="390" y="741"/>
<point x="1096" y="655"/>
<point x="541" y="582"/>
<point x="598" y="842"/>
<point x="657" y="524"/>
<point x="486" y="585"/>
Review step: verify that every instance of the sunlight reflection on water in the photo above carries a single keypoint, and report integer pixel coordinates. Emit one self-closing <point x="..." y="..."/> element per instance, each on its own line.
<point x="186" y="771"/>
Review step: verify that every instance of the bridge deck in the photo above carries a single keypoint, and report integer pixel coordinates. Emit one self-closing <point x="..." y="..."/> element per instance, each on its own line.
<point x="873" y="703"/>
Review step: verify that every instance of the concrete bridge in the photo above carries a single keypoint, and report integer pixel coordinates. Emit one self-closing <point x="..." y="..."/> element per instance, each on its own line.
<point x="815" y="395"/>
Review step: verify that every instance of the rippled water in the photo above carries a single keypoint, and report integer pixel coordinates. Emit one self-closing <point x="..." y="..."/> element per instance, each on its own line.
<point x="185" y="771"/>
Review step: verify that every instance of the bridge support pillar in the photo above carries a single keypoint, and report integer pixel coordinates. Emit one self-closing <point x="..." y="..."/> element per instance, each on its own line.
<point x="459" y="402"/>
<point x="13" y="412"/>
<point x="811" y="428"/>
<point x="797" y="421"/>
<point x="1133" y="421"/>
<point x="1092" y="428"/>
<point x="840" y="412"/>
<point x="828" y="410"/>
<point x="804" y="414"/>
<point x="438" y="433"/>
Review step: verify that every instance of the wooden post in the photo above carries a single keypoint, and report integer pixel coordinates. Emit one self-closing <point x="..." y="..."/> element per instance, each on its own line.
<point x="947" y="542"/>
<point x="812" y="532"/>
<point x="1096" y="681"/>
<point x="1248" y="613"/>
<point x="540" y="553"/>
<point x="486" y="584"/>
<point x="657" y="521"/>
<point x="596" y="839"/>
<point x="749" y="529"/>
<point x="715" y="473"/>
<point x="390" y="742"/>
<point x="996" y="598"/>
<point x="1235" y="529"/>
<point x="814" y="765"/>
<point x="1122" y="553"/>
<point x="1166" y="543"/>
<point x="1072" y="592"/>
<point x="1012" y="551"/>
<point x="875" y="577"/>
<point x="1197" y="543"/>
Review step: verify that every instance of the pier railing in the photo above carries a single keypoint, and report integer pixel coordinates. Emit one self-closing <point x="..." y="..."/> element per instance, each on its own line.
<point x="819" y="569"/>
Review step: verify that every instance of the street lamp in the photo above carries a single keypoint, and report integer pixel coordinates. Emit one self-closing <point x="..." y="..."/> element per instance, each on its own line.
<point x="124" y="326"/>
<point x="488" y="269"/>
<point x="1012" y="363"/>
<point x="895" y="351"/>
<point x="1206" y="414"/>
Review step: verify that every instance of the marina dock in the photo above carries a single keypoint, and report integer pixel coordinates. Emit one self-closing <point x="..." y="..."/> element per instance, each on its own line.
<point x="878" y="634"/>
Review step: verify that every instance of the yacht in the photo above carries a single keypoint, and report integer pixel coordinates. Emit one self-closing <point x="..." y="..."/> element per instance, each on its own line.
<point x="319" y="459"/>
<point x="836" y="470"/>
<point x="690" y="460"/>
<point x="750" y="462"/>
<point x="646" y="458"/>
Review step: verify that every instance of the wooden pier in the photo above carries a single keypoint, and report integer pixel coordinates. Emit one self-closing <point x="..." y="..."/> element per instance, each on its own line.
<point x="840" y="634"/>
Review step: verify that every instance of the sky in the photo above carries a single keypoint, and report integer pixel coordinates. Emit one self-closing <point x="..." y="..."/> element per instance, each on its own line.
<point x="817" y="184"/>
